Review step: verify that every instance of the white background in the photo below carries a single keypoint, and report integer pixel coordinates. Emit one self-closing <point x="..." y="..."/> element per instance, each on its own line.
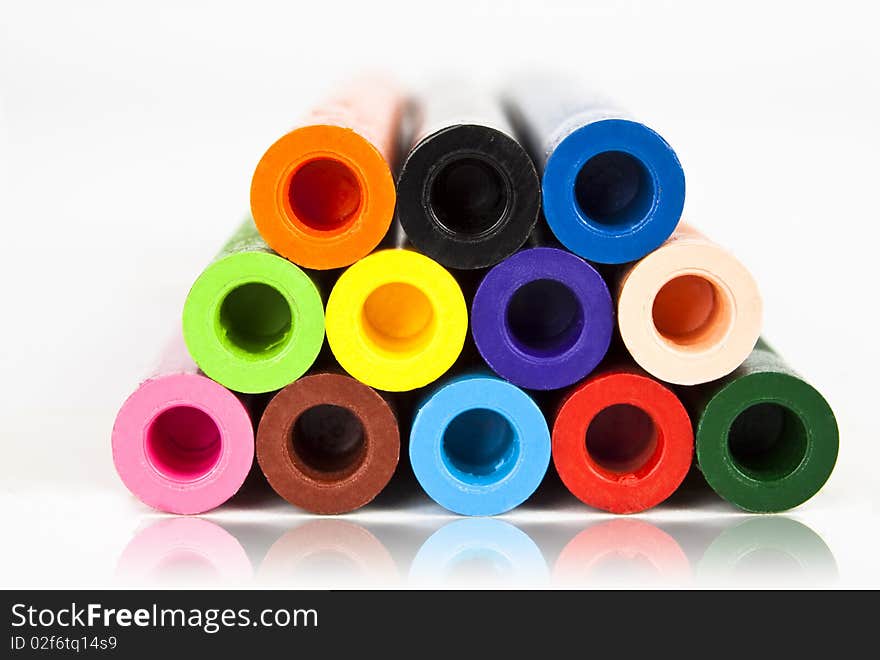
<point x="128" y="135"/>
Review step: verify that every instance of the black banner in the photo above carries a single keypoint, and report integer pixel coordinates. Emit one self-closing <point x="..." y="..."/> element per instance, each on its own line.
<point x="469" y="624"/>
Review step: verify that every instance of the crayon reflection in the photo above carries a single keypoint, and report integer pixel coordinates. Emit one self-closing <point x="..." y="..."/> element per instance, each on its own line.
<point x="768" y="550"/>
<point x="327" y="554"/>
<point x="761" y="551"/>
<point x="623" y="551"/>
<point x="183" y="552"/>
<point x="479" y="552"/>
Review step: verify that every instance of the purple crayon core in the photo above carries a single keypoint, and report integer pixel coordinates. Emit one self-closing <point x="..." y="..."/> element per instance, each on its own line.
<point x="542" y="318"/>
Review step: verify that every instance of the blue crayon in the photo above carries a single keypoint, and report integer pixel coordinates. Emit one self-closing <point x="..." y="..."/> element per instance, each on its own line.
<point x="479" y="445"/>
<point x="613" y="188"/>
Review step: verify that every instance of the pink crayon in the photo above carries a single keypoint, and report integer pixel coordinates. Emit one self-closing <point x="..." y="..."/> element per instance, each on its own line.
<point x="181" y="442"/>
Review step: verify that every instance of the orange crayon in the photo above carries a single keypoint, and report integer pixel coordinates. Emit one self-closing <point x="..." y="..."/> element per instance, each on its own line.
<point x="323" y="194"/>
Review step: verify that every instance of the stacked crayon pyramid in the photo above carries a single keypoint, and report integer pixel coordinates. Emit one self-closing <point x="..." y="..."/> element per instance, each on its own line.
<point x="525" y="292"/>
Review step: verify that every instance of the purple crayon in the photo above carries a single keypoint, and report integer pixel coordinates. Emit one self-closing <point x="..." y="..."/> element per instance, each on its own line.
<point x="542" y="318"/>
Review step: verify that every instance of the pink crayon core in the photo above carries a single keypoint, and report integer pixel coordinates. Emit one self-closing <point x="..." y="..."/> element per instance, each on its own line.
<point x="181" y="442"/>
